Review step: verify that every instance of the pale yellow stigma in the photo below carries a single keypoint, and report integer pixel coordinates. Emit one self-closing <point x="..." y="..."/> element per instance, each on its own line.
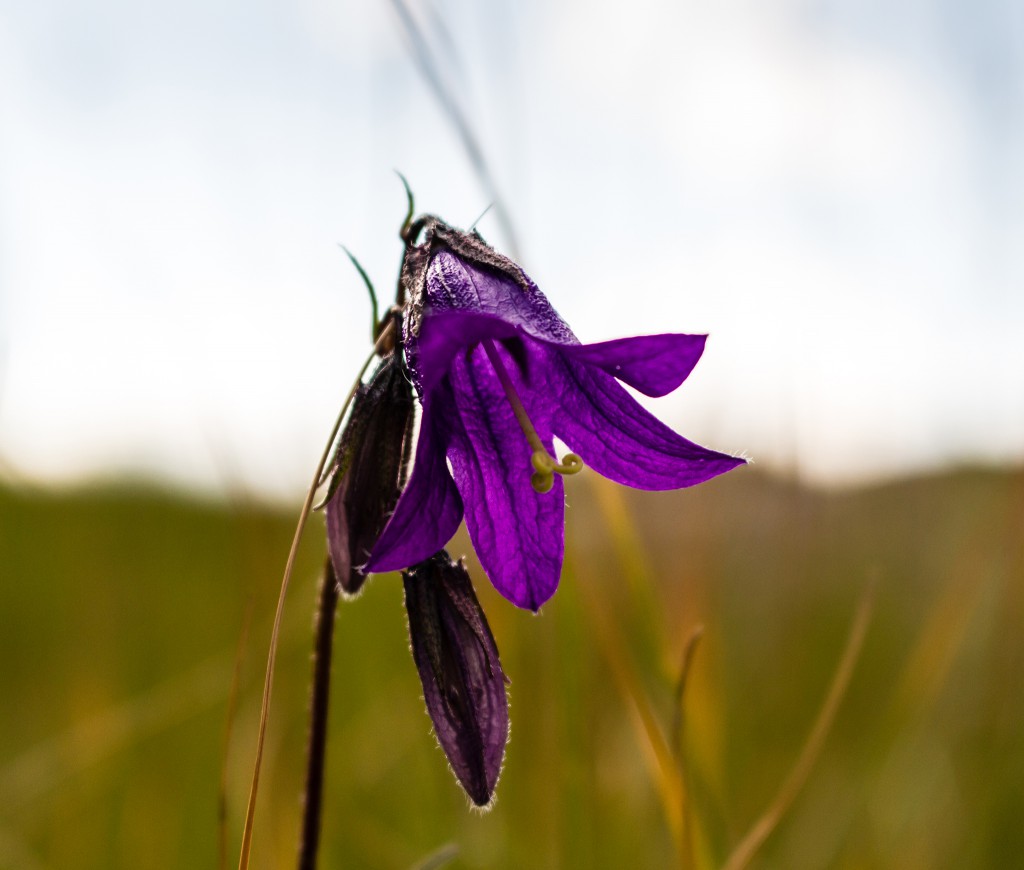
<point x="545" y="466"/>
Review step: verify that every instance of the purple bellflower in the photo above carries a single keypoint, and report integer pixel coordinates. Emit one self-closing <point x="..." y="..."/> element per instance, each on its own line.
<point x="453" y="648"/>
<point x="500" y="375"/>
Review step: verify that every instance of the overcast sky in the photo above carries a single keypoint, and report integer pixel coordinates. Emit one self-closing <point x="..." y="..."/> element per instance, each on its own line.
<point x="834" y="190"/>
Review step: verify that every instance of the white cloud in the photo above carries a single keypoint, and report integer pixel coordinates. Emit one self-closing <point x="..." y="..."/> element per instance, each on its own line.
<point x="168" y="222"/>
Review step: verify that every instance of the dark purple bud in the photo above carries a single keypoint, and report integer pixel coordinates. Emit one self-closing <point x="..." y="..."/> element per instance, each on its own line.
<point x="369" y="469"/>
<point x="463" y="684"/>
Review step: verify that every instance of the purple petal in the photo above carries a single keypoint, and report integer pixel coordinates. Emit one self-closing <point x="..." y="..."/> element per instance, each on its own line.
<point x="653" y="364"/>
<point x="336" y="518"/>
<point x="430" y="509"/>
<point x="518" y="533"/>
<point x="455" y="284"/>
<point x="463" y="683"/>
<point x="444" y="335"/>
<point x="620" y="440"/>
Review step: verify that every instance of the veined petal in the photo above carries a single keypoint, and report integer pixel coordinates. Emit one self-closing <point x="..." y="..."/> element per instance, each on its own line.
<point x="445" y="334"/>
<point x="430" y="509"/>
<point x="620" y="440"/>
<point x="454" y="283"/>
<point x="518" y="533"/>
<point x="653" y="364"/>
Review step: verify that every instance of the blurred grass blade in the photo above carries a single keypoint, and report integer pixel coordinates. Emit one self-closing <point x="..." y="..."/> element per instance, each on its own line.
<point x="426" y="60"/>
<point x="680" y="691"/>
<point x="687" y="858"/>
<point x="633" y="563"/>
<point x="762" y="829"/>
<point x="48" y="765"/>
<point x="942" y="636"/>
<point x="15" y="854"/>
<point x="650" y="737"/>
<point x="448" y="852"/>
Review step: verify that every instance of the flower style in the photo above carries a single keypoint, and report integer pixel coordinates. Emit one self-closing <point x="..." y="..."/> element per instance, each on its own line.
<point x="500" y="375"/>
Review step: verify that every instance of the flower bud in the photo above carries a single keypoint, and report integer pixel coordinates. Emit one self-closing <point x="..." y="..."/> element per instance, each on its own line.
<point x="369" y="469"/>
<point x="463" y="683"/>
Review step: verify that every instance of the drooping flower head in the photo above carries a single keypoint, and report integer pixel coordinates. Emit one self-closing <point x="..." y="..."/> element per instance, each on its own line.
<point x="453" y="648"/>
<point x="500" y="375"/>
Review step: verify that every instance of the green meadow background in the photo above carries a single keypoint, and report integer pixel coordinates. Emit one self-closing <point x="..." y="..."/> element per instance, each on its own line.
<point x="123" y="608"/>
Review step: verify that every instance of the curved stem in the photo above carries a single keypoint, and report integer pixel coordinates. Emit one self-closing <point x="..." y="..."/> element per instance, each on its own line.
<point x="268" y="680"/>
<point x="748" y="846"/>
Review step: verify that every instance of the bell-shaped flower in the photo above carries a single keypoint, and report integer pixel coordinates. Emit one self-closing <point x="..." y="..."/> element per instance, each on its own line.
<point x="500" y="376"/>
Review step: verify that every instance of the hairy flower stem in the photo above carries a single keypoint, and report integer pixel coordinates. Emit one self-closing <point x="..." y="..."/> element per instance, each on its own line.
<point x="387" y="335"/>
<point x="312" y="808"/>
